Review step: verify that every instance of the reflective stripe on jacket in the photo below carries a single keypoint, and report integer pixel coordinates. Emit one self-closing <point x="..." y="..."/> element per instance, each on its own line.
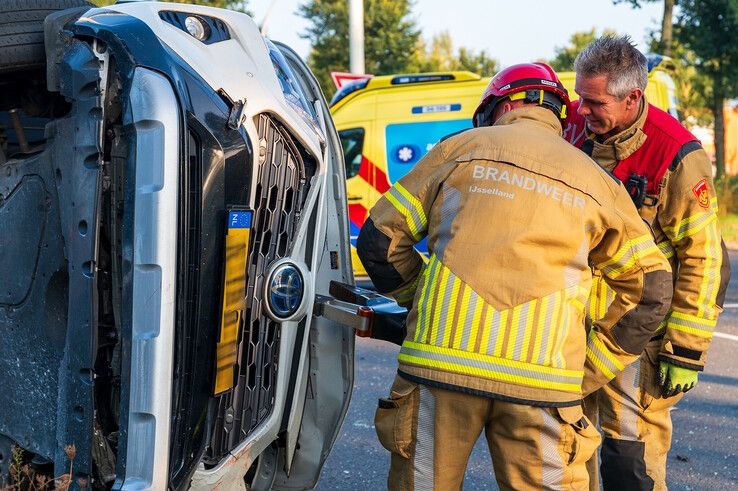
<point x="513" y="217"/>
<point x="683" y="218"/>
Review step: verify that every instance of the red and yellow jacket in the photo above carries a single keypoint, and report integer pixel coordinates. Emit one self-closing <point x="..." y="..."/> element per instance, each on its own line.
<point x="680" y="206"/>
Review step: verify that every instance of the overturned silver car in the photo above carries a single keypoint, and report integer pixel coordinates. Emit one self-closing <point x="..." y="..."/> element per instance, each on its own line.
<point x="173" y="237"/>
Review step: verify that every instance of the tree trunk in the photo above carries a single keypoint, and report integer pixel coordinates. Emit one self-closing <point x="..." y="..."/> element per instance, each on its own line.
<point x="717" y="111"/>
<point x="666" y="27"/>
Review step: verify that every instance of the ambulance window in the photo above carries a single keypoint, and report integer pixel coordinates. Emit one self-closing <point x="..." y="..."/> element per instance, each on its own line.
<point x="352" y="142"/>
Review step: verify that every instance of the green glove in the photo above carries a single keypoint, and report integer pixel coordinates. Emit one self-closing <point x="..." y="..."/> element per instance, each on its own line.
<point x="674" y="379"/>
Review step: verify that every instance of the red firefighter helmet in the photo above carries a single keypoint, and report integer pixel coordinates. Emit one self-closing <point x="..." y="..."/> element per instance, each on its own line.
<point x="533" y="82"/>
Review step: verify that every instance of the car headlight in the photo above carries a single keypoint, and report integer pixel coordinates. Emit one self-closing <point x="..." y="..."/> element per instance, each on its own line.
<point x="206" y="29"/>
<point x="197" y="28"/>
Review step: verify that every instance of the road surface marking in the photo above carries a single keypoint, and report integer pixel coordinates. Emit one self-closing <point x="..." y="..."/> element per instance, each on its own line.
<point x="730" y="306"/>
<point x="725" y="336"/>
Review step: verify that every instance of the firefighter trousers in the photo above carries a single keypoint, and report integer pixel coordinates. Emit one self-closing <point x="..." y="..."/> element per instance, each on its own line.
<point x="431" y="432"/>
<point x="636" y="424"/>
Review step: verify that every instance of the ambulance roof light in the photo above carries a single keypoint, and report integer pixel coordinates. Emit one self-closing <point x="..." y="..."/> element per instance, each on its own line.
<point x="663" y="62"/>
<point x="352" y="86"/>
<point x="416" y="79"/>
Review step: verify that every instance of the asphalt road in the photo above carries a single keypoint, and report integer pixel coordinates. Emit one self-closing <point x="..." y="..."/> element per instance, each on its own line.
<point x="704" y="454"/>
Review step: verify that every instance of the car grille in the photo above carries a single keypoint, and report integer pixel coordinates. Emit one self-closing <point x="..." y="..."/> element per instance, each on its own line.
<point x="279" y="196"/>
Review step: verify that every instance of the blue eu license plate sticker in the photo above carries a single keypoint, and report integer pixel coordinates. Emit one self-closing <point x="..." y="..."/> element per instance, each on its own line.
<point x="239" y="219"/>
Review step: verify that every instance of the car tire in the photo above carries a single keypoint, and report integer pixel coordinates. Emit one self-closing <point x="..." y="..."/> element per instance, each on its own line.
<point x="22" y="31"/>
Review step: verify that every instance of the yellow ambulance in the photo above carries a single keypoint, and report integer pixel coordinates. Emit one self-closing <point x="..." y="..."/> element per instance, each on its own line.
<point x="388" y="123"/>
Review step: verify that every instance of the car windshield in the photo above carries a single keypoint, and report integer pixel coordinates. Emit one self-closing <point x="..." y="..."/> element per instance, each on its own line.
<point x="289" y="84"/>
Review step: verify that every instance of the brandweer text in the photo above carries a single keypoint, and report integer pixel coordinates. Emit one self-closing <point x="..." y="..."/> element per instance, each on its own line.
<point x="527" y="183"/>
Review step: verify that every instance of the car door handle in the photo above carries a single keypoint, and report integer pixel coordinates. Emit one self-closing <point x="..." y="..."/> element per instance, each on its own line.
<point x="355" y="198"/>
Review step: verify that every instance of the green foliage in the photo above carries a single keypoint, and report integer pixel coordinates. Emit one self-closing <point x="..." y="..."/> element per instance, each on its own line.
<point x="693" y="87"/>
<point x="666" y="36"/>
<point x="437" y="57"/>
<point x="726" y="188"/>
<point x="479" y="63"/>
<point x="707" y="28"/>
<point x="390" y="37"/>
<point x="565" y="55"/>
<point x="440" y="57"/>
<point x="729" y="230"/>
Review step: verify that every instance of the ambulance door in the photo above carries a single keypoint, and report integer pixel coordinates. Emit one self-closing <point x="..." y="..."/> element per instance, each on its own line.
<point x="414" y="121"/>
<point x="359" y="191"/>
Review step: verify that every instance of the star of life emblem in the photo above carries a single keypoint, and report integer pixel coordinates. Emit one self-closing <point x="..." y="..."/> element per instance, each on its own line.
<point x="405" y="154"/>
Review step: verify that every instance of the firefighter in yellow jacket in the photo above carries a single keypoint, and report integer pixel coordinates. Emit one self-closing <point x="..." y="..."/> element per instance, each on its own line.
<point x="669" y="177"/>
<point x="514" y="217"/>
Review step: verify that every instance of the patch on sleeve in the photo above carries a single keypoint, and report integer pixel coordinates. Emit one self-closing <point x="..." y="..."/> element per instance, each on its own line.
<point x="703" y="195"/>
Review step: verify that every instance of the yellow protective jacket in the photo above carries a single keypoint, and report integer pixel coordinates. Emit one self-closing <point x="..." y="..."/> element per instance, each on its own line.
<point x="681" y="209"/>
<point x="514" y="216"/>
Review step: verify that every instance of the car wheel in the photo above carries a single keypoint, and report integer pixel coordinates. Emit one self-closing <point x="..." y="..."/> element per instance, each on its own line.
<point x="22" y="31"/>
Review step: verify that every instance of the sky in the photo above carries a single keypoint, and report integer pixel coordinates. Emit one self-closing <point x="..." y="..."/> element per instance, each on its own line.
<point x="511" y="31"/>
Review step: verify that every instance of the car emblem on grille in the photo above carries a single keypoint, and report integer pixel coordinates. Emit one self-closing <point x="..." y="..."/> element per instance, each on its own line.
<point x="286" y="290"/>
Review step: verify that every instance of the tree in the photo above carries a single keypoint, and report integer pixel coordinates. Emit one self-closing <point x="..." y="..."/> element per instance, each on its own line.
<point x="707" y="28"/>
<point x="667" y="22"/>
<point x="565" y="55"/>
<point x="440" y="57"/>
<point x="691" y="83"/>
<point x="390" y="37"/>
<point x="479" y="63"/>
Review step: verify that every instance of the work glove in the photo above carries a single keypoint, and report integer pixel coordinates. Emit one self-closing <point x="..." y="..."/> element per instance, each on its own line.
<point x="674" y="379"/>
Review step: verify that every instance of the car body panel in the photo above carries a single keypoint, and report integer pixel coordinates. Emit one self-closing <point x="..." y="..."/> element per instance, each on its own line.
<point x="49" y="337"/>
<point x="155" y="121"/>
